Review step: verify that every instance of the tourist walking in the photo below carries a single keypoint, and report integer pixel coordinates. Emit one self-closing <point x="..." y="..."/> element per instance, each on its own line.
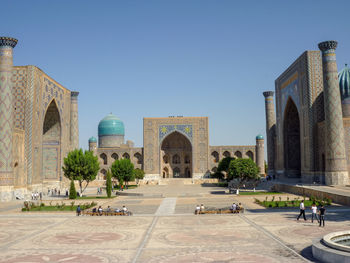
<point x="302" y="210"/>
<point x="78" y="210"/>
<point x="313" y="212"/>
<point x="322" y="212"/>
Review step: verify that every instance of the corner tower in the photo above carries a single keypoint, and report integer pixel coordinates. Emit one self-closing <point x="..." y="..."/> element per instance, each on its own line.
<point x="336" y="164"/>
<point x="74" y="123"/>
<point x="259" y="150"/>
<point x="6" y="111"/>
<point x="270" y="130"/>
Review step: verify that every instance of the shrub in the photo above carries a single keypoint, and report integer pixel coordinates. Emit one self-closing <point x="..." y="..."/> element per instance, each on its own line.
<point x="273" y="198"/>
<point x="72" y="191"/>
<point x="109" y="184"/>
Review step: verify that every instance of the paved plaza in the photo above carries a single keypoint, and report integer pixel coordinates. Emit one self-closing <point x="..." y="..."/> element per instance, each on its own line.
<point x="164" y="229"/>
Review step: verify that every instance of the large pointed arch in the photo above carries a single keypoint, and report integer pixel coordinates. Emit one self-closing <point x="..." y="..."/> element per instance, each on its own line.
<point x="291" y="140"/>
<point x="51" y="140"/>
<point x="174" y="149"/>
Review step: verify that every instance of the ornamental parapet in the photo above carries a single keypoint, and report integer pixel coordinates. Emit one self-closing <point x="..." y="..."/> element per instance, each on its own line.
<point x="8" y="41"/>
<point x="327" y="45"/>
<point x="268" y="94"/>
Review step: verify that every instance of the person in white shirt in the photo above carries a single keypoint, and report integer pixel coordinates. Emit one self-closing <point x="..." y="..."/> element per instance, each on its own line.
<point x="198" y="208"/>
<point x="202" y="208"/>
<point x="302" y="210"/>
<point x="233" y="207"/>
<point x="314" y="212"/>
<point x="125" y="210"/>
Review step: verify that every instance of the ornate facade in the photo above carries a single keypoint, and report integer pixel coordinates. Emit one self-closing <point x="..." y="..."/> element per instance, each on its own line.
<point x="305" y="138"/>
<point x="38" y="126"/>
<point x="173" y="147"/>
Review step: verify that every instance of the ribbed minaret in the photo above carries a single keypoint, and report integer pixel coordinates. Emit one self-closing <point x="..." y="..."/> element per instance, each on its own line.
<point x="259" y="153"/>
<point x="74" y="124"/>
<point x="6" y="110"/>
<point x="270" y="130"/>
<point x="93" y="145"/>
<point x="336" y="165"/>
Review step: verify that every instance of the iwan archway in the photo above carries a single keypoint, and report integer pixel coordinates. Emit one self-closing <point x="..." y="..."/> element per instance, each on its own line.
<point x="51" y="143"/>
<point x="176" y="156"/>
<point x="291" y="135"/>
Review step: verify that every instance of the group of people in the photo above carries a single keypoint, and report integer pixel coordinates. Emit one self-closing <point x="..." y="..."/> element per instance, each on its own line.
<point x="56" y="192"/>
<point x="37" y="195"/>
<point x="199" y="209"/>
<point x="321" y="213"/>
<point x="100" y="210"/>
<point x="236" y="207"/>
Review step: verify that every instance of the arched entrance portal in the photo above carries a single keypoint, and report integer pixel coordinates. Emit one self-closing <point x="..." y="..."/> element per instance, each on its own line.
<point x="51" y="143"/>
<point x="291" y="135"/>
<point x="176" y="156"/>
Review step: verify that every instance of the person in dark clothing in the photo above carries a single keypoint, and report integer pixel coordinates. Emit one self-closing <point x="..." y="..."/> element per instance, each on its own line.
<point x="322" y="212"/>
<point x="78" y="210"/>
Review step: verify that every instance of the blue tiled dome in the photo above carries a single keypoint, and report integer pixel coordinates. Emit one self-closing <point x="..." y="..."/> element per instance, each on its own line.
<point x="259" y="137"/>
<point x="92" y="139"/>
<point x="344" y="82"/>
<point x="110" y="125"/>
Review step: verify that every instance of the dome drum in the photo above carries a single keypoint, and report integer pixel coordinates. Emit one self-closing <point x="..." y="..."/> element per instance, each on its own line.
<point x="110" y="141"/>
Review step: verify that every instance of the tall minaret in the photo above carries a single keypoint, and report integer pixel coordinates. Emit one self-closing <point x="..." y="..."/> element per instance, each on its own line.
<point x="270" y="130"/>
<point x="74" y="124"/>
<point x="336" y="165"/>
<point x="259" y="153"/>
<point x="6" y="111"/>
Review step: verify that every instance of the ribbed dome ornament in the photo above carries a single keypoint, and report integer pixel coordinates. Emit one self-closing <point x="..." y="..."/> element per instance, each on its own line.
<point x="110" y="125"/>
<point x="344" y="82"/>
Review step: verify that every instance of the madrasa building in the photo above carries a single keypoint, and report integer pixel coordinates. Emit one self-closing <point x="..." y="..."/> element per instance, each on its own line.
<point x="38" y="127"/>
<point x="173" y="147"/>
<point x="308" y="137"/>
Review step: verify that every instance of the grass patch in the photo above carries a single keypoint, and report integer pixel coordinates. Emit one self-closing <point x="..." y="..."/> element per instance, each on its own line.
<point x="292" y="203"/>
<point x="96" y="197"/>
<point x="222" y="184"/>
<point x="31" y="206"/>
<point x="50" y="208"/>
<point x="259" y="193"/>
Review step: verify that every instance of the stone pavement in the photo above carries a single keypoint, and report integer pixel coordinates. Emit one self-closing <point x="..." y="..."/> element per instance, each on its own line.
<point x="166" y="230"/>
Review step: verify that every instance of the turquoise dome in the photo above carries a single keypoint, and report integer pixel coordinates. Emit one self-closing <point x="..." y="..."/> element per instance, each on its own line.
<point x="110" y="125"/>
<point x="92" y="139"/>
<point x="344" y="82"/>
<point x="259" y="137"/>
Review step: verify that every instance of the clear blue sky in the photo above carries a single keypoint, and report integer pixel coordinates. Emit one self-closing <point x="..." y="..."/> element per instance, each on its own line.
<point x="160" y="58"/>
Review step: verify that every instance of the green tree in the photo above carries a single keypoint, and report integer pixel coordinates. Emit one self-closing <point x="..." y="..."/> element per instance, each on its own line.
<point x="139" y="174"/>
<point x="109" y="183"/>
<point x="244" y="170"/>
<point x="81" y="166"/>
<point x="72" y="191"/>
<point x="123" y="170"/>
<point x="224" y="164"/>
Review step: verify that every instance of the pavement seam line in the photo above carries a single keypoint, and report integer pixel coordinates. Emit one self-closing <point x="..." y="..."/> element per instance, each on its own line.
<point x="145" y="239"/>
<point x="266" y="232"/>
<point x="32" y="235"/>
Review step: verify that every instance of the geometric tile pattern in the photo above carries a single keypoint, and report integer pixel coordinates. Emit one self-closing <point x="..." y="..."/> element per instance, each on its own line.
<point x="335" y="148"/>
<point x="74" y="123"/>
<point x="28" y="122"/>
<point x="164" y="130"/>
<point x="50" y="91"/>
<point x="6" y="115"/>
<point x="19" y="80"/>
<point x="270" y="128"/>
